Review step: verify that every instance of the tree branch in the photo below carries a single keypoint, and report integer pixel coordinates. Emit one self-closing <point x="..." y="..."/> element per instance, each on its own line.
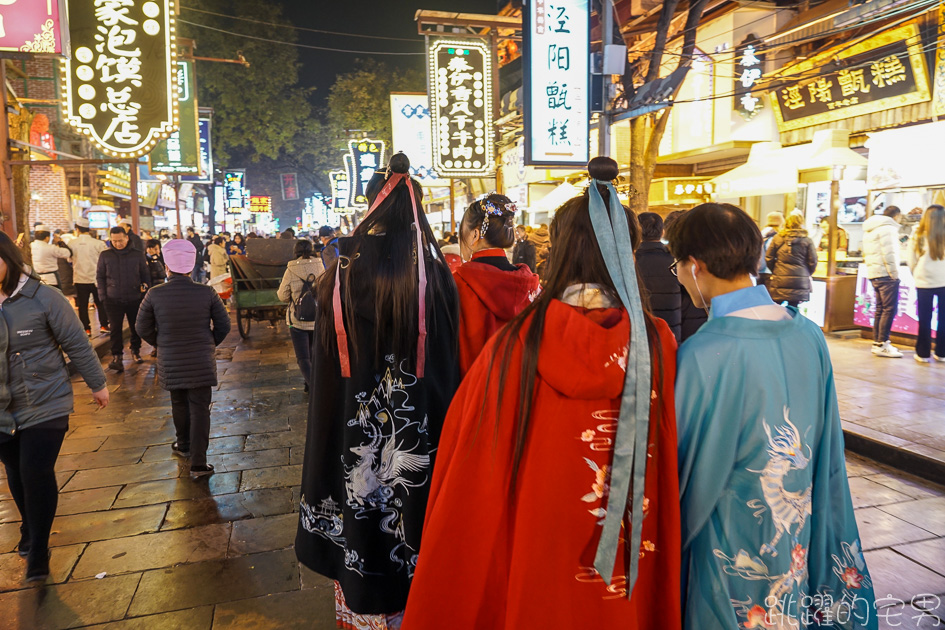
<point x="662" y="33"/>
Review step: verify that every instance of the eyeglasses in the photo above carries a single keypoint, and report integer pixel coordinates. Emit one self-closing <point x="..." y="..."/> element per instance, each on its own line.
<point x="673" y="269"/>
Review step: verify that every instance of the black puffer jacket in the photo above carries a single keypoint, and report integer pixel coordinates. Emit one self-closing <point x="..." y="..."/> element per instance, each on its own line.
<point x="665" y="293"/>
<point x="525" y="253"/>
<point x="792" y="258"/>
<point x="187" y="321"/>
<point x="121" y="273"/>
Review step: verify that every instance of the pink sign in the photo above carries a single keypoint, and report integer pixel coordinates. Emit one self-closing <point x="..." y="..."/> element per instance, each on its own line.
<point x="907" y="317"/>
<point x="33" y="27"/>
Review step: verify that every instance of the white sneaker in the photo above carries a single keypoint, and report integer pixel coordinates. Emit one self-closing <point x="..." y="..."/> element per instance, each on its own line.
<point x="888" y="351"/>
<point x="919" y="359"/>
<point x="876" y="348"/>
<point x="938" y="358"/>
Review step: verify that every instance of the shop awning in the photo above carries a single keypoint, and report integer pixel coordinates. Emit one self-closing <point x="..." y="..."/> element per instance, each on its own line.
<point x="771" y="170"/>
<point x="553" y="200"/>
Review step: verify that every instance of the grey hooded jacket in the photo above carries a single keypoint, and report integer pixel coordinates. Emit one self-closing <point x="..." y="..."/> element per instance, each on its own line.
<point x="40" y="325"/>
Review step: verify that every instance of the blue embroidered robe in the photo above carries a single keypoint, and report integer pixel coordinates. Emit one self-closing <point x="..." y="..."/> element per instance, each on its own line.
<point x="769" y="536"/>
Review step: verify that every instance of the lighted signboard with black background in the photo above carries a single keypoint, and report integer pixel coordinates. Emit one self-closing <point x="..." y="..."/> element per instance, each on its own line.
<point x="179" y="153"/>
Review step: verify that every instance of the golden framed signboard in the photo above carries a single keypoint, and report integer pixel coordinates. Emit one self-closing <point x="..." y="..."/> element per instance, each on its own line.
<point x="880" y="73"/>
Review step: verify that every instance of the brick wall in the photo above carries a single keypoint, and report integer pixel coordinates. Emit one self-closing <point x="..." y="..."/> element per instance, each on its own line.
<point x="49" y="202"/>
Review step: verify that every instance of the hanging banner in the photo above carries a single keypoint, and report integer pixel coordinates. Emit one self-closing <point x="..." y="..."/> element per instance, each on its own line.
<point x="882" y="72"/>
<point x="366" y="157"/>
<point x="556" y="56"/>
<point x="179" y="153"/>
<point x="290" y="187"/>
<point x="33" y="28"/>
<point x="206" y="155"/>
<point x="410" y="131"/>
<point x="120" y="82"/>
<point x="234" y="190"/>
<point x="340" y="191"/>
<point x="461" y="108"/>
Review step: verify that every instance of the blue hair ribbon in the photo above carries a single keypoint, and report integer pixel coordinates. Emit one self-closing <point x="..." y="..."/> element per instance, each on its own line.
<point x="630" y="441"/>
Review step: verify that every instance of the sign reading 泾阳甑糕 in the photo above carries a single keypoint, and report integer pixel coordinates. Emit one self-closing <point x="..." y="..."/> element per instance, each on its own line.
<point x="884" y="71"/>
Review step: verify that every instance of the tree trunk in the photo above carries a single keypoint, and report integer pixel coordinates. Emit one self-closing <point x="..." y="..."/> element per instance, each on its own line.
<point x="639" y="180"/>
<point x="20" y="130"/>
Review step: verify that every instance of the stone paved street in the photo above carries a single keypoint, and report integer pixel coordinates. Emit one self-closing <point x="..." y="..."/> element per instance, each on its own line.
<point x="139" y="545"/>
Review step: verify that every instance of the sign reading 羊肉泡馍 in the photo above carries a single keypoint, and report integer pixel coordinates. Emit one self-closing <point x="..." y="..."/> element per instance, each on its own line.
<point x="31" y="28"/>
<point x="882" y="72"/>
<point x="234" y="190"/>
<point x="556" y="49"/>
<point x="179" y="153"/>
<point x="461" y="108"/>
<point x="366" y="157"/>
<point x="120" y="84"/>
<point x="340" y="191"/>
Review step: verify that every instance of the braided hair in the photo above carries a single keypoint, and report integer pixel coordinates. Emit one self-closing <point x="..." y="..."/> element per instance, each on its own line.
<point x="493" y="216"/>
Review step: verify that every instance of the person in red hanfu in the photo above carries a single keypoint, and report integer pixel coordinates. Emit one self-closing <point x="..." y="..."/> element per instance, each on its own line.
<point x="491" y="289"/>
<point x="555" y="496"/>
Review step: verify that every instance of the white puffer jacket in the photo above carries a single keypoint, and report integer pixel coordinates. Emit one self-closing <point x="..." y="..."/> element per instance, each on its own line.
<point x="881" y="247"/>
<point x="928" y="273"/>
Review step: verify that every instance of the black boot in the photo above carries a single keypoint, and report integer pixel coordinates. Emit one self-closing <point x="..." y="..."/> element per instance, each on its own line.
<point x="23" y="547"/>
<point x="37" y="565"/>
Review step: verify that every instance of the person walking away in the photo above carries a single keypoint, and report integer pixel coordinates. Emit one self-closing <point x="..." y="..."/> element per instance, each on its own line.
<point x="523" y="253"/>
<point x="491" y="289"/>
<point x="385" y="369"/>
<point x="134" y="241"/>
<point x="301" y="275"/>
<point x="773" y="224"/>
<point x="217" y="257"/>
<point x="123" y="278"/>
<point x="542" y="241"/>
<point x="881" y="255"/>
<point x="187" y="321"/>
<point x="155" y="262"/>
<point x="692" y="317"/>
<point x="660" y="286"/>
<point x="46" y="257"/>
<point x="329" y="241"/>
<point x="792" y="258"/>
<point x="197" y="274"/>
<point x="768" y="530"/>
<point x="535" y="449"/>
<point x="85" y="254"/>
<point x="926" y="259"/>
<point x="36" y="325"/>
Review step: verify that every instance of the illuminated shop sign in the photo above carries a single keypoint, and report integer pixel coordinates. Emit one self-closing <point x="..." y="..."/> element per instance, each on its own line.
<point x="366" y="156"/>
<point x="260" y="203"/>
<point x="556" y="53"/>
<point x="411" y="133"/>
<point x="234" y="190"/>
<point x="882" y="72"/>
<point x="206" y="155"/>
<point x="179" y="153"/>
<point x="750" y="67"/>
<point x="33" y="28"/>
<point x="461" y="108"/>
<point x="340" y="191"/>
<point x="290" y="187"/>
<point x="120" y="82"/>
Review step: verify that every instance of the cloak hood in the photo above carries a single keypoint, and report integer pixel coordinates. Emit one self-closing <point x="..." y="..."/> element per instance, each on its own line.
<point x="503" y="293"/>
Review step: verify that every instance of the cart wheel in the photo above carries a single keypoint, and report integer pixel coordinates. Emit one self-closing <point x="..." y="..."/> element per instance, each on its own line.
<point x="243" y="323"/>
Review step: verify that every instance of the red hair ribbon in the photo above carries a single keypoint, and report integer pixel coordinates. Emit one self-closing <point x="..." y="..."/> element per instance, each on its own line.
<point x="340" y="332"/>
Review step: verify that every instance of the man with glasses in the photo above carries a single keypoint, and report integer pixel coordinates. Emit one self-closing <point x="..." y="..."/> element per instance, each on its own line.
<point x="767" y="520"/>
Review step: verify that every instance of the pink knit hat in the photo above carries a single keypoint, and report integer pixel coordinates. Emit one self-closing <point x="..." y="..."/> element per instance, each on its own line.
<point x="179" y="255"/>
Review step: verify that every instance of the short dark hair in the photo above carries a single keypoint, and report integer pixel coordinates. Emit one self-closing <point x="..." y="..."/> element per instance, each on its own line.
<point x="303" y="248"/>
<point x="153" y="242"/>
<point x="82" y="230"/>
<point x="12" y="257"/>
<point x="651" y="225"/>
<point x="218" y="240"/>
<point x="892" y="211"/>
<point x="41" y="235"/>
<point x="721" y="235"/>
<point x="117" y="230"/>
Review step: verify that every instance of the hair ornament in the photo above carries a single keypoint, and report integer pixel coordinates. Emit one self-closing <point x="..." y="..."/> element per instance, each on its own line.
<point x="489" y="207"/>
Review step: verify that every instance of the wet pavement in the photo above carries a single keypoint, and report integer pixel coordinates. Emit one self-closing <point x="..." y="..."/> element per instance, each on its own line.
<point x="137" y="544"/>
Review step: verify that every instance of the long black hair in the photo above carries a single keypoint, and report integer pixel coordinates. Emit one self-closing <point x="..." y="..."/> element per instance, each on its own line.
<point x="575" y="258"/>
<point x="379" y="268"/>
<point x="12" y="257"/>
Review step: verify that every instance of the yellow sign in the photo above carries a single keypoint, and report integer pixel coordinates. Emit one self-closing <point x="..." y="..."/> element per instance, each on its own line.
<point x="260" y="203"/>
<point x="880" y="73"/>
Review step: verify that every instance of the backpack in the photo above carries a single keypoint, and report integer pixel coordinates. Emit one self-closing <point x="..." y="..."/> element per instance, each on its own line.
<point x="304" y="306"/>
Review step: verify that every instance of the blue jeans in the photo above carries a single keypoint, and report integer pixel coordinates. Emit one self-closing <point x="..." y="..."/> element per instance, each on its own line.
<point x="887" y="305"/>
<point x="923" y="345"/>
<point x="302" y="342"/>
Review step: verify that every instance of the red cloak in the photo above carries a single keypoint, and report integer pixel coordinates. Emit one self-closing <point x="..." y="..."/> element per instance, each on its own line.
<point x="488" y="298"/>
<point x="491" y="562"/>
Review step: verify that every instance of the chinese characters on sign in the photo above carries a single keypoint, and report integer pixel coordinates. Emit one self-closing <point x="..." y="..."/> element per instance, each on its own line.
<point x="120" y="83"/>
<point x="461" y="106"/>
<point x="234" y="185"/>
<point x="339" y="191"/>
<point x="557" y="74"/>
<point x="179" y="153"/>
<point x="290" y="190"/>
<point x="750" y="68"/>
<point x="366" y="157"/>
<point x="260" y="203"/>
<point x="887" y="70"/>
<point x="206" y="154"/>
<point x="33" y="27"/>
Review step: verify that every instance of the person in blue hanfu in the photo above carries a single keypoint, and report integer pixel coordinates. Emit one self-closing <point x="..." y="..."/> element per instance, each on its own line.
<point x="769" y="537"/>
